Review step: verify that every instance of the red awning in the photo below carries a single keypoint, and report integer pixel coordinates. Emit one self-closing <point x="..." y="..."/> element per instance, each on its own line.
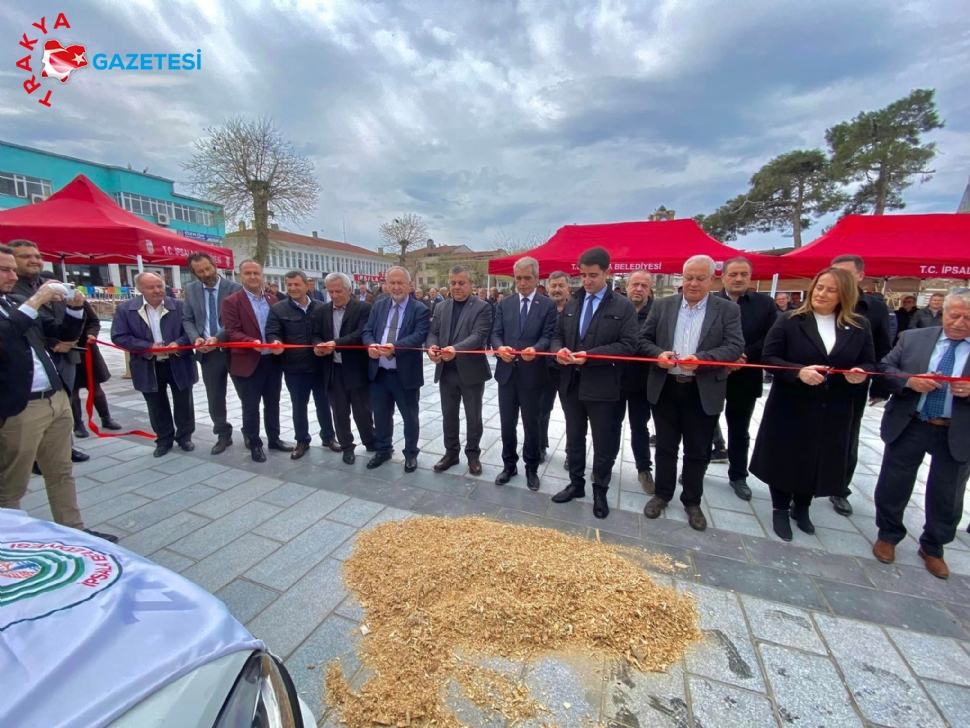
<point x="921" y="246"/>
<point x="82" y="224"/>
<point x="657" y="247"/>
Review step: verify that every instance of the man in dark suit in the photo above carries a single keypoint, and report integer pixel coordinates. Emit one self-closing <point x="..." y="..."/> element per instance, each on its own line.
<point x="35" y="411"/>
<point x="634" y="389"/>
<point x="525" y="322"/>
<point x="686" y="400"/>
<point x="595" y="322"/>
<point x="925" y="417"/>
<point x="341" y="323"/>
<point x="291" y="322"/>
<point x="256" y="373"/>
<point x="152" y="321"/>
<point x="396" y="324"/>
<point x="460" y="324"/>
<point x="363" y="295"/>
<point x="929" y="317"/>
<point x="560" y="294"/>
<point x="200" y="318"/>
<point x="874" y="310"/>
<point x="744" y="386"/>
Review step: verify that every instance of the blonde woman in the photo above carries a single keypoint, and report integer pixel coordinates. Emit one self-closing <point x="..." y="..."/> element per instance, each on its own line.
<point x="803" y="443"/>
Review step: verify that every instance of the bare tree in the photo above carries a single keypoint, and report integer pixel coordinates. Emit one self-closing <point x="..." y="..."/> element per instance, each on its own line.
<point x="516" y="245"/>
<point x="404" y="232"/>
<point x="247" y="165"/>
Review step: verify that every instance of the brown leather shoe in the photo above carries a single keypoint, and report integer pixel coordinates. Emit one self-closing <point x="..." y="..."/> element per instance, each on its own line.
<point x="646" y="482"/>
<point x="935" y="565"/>
<point x="695" y="518"/>
<point x="299" y="451"/>
<point x="333" y="445"/>
<point x="474" y="467"/>
<point x="884" y="551"/>
<point x="655" y="506"/>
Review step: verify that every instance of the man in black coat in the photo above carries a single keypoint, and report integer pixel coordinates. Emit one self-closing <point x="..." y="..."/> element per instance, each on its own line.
<point x="560" y="294"/>
<point x="925" y="417"/>
<point x="524" y="322"/>
<point x="931" y="316"/>
<point x="876" y="312"/>
<point x="291" y="322"/>
<point x="341" y="323"/>
<point x="904" y="314"/>
<point x="598" y="322"/>
<point x="640" y="292"/>
<point x="758" y="315"/>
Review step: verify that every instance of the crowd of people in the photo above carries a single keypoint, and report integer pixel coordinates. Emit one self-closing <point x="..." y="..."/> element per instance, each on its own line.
<point x="360" y="354"/>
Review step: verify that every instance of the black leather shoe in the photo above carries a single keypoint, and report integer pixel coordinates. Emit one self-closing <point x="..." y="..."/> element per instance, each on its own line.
<point x="446" y="462"/>
<point x="799" y="514"/>
<point x="532" y="480"/>
<point x="110" y="537"/>
<point x="81" y="431"/>
<point x="568" y="493"/>
<point x="221" y="445"/>
<point x="781" y="524"/>
<point x="719" y="455"/>
<point x="410" y="465"/>
<point x="109" y="424"/>
<point x="370" y="448"/>
<point x="505" y="476"/>
<point x="246" y="443"/>
<point x="377" y="461"/>
<point x="187" y="446"/>
<point x="79" y="457"/>
<point x="474" y="466"/>
<point x="601" y="509"/>
<point x="841" y="505"/>
<point x="281" y="446"/>
<point x="332" y="444"/>
<point x="258" y="455"/>
<point x="36" y="469"/>
<point x="349" y="457"/>
<point x="299" y="451"/>
<point x="741" y="489"/>
<point x="161" y="450"/>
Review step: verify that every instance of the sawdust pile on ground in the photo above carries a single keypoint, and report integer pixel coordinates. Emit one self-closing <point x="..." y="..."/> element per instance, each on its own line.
<point x="434" y="587"/>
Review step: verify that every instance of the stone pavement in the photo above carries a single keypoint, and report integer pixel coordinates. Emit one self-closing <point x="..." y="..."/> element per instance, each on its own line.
<point x="811" y="633"/>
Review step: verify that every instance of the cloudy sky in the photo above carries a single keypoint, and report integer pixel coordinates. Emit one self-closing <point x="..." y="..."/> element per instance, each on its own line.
<point x="509" y="117"/>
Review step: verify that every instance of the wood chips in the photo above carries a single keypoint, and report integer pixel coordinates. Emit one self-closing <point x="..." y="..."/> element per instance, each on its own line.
<point x="436" y="589"/>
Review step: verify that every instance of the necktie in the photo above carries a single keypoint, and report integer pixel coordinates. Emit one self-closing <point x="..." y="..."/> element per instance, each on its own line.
<point x="213" y="317"/>
<point x="523" y="315"/>
<point x="392" y="330"/>
<point x="37" y="344"/>
<point x="935" y="400"/>
<point x="587" y="318"/>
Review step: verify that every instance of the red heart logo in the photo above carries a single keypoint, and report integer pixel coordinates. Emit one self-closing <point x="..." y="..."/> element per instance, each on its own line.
<point x="60" y="62"/>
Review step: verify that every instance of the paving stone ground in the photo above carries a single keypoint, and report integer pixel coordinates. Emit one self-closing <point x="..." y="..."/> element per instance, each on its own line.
<point x="811" y="633"/>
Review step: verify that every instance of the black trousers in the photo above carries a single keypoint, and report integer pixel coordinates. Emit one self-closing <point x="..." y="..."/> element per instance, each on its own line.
<point x="342" y="400"/>
<point x="455" y="394"/>
<point x="782" y="501"/>
<point x="168" y="431"/>
<point x="515" y="397"/>
<point x="547" y="402"/>
<point x="861" y="399"/>
<point x="100" y="404"/>
<point x="301" y="385"/>
<point x="679" y="416"/>
<point x="738" y="413"/>
<point x="944" y="488"/>
<point x="639" y="407"/>
<point x="264" y="384"/>
<point x="387" y="391"/>
<point x="582" y="416"/>
<point x="215" y="377"/>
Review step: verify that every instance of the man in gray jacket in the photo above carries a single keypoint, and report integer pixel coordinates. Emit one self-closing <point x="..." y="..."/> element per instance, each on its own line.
<point x="203" y="326"/>
<point x="926" y="417"/>
<point x="461" y="323"/>
<point x="686" y="399"/>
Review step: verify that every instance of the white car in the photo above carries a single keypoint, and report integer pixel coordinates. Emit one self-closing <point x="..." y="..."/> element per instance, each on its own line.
<point x="95" y="636"/>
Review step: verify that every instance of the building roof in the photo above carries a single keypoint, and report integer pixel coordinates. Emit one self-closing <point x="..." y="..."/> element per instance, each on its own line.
<point x="282" y="236"/>
<point x="437" y="251"/>
<point x="965" y="202"/>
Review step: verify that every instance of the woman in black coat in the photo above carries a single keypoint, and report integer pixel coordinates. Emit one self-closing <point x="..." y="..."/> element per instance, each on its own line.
<point x="90" y="330"/>
<point x="802" y="448"/>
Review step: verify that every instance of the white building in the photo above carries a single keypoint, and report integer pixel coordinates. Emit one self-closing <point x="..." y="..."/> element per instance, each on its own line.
<point x="311" y="254"/>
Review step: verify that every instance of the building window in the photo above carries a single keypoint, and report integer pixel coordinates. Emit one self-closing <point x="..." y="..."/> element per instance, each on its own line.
<point x="152" y="207"/>
<point x="18" y="185"/>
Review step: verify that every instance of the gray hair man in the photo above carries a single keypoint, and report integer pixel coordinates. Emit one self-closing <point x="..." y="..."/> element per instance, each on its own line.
<point x="460" y="324"/>
<point x="926" y="417"/>
<point x="686" y="401"/>
<point x="558" y="289"/>
<point x="524" y="323"/>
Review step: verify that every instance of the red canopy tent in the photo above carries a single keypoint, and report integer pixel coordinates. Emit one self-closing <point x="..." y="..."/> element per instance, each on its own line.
<point x="657" y="247"/>
<point x="82" y="224"/>
<point x="919" y="246"/>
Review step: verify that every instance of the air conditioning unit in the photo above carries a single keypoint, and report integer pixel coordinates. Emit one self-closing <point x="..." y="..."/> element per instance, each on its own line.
<point x="37" y="198"/>
<point x="163" y="219"/>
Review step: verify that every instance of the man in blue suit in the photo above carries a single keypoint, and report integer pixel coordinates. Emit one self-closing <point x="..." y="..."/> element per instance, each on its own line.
<point x="526" y="323"/>
<point x="396" y="323"/>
